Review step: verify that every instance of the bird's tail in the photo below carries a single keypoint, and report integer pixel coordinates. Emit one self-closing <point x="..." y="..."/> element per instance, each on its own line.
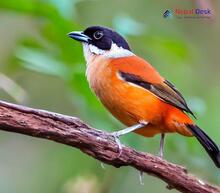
<point x="208" y="144"/>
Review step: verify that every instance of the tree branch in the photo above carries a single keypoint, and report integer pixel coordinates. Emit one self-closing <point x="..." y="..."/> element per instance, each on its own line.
<point x="98" y="144"/>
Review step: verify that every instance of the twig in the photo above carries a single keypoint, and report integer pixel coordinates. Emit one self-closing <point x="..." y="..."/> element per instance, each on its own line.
<point x="98" y="144"/>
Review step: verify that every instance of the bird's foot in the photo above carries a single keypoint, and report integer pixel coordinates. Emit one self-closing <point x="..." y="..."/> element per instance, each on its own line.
<point x="127" y="130"/>
<point x="117" y="140"/>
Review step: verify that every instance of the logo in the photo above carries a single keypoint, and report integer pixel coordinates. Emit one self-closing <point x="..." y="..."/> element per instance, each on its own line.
<point x="168" y="14"/>
<point x="188" y="13"/>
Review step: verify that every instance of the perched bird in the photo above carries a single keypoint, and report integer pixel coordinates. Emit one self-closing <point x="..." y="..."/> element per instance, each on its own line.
<point x="134" y="92"/>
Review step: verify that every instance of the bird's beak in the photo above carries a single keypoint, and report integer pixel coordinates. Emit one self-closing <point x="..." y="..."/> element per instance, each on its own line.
<point x="79" y="36"/>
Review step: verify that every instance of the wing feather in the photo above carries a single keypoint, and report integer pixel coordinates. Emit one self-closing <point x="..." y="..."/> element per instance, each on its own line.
<point x="165" y="90"/>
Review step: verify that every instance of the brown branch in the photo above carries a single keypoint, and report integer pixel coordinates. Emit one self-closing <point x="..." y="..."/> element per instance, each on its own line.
<point x="98" y="144"/>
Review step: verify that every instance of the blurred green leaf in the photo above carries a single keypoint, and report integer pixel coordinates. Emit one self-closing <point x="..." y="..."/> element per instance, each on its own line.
<point x="128" y="26"/>
<point x="39" y="61"/>
<point x="171" y="48"/>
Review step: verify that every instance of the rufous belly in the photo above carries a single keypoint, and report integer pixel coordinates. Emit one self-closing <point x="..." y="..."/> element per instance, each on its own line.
<point x="130" y="104"/>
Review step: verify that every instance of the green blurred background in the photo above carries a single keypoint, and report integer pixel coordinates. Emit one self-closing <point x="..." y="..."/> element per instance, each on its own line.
<point x="41" y="67"/>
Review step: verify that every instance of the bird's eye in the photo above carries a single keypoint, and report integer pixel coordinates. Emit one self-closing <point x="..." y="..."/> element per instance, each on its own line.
<point x="98" y="35"/>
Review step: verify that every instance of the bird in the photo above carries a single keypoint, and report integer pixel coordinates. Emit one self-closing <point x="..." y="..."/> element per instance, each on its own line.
<point x="135" y="93"/>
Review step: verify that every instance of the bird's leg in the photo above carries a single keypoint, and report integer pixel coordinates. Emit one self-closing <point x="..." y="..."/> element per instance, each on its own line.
<point x="127" y="130"/>
<point x="161" y="145"/>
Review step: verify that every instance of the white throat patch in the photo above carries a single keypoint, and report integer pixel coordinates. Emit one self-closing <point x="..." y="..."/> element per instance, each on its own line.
<point x="115" y="52"/>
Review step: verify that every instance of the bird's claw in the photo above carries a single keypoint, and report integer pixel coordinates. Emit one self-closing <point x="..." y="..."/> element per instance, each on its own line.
<point x="117" y="140"/>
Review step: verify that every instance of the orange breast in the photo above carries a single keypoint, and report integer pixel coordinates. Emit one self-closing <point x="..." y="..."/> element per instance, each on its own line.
<point x="127" y="102"/>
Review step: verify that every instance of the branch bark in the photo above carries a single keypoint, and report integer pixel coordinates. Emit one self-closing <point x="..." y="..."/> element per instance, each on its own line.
<point x="98" y="144"/>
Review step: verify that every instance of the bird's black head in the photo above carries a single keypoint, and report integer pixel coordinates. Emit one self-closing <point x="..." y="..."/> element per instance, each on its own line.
<point x="101" y="37"/>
